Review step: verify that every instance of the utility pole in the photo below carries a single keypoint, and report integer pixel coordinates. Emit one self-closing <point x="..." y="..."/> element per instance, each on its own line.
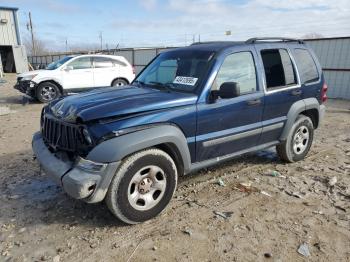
<point x="100" y="36"/>
<point x="199" y="38"/>
<point x="66" y="45"/>
<point x="30" y="28"/>
<point x="193" y="38"/>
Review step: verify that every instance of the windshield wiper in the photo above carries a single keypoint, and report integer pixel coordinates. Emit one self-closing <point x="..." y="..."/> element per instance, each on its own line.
<point x="139" y="83"/>
<point x="166" y="86"/>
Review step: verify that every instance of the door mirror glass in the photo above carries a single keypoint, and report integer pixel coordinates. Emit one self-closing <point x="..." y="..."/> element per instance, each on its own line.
<point x="229" y="90"/>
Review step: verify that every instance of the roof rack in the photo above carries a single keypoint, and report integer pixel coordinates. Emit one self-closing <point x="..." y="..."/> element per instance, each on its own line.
<point x="211" y="42"/>
<point x="207" y="42"/>
<point x="281" y="39"/>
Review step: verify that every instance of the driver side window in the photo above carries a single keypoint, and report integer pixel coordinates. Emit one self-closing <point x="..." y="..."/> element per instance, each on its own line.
<point x="239" y="68"/>
<point x="81" y="63"/>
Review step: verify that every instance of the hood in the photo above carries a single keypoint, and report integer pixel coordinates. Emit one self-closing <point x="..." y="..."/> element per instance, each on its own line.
<point x="112" y="102"/>
<point x="31" y="73"/>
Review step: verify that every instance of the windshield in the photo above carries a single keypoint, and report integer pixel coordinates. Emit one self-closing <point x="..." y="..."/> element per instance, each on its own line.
<point x="56" y="64"/>
<point x="179" y="70"/>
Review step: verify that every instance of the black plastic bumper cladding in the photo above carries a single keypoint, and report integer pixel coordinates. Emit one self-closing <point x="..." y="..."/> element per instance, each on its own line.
<point x="24" y="87"/>
<point x="51" y="165"/>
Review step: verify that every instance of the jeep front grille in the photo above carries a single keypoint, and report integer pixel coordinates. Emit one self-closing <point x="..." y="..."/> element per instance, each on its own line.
<point x="60" y="135"/>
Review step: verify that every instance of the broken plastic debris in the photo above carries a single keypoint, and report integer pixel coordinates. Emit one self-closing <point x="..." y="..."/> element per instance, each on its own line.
<point x="294" y="194"/>
<point x="332" y="181"/>
<point x="265" y="193"/>
<point x="221" y="182"/>
<point x="187" y="231"/>
<point x="223" y="214"/>
<point x="268" y="255"/>
<point x="248" y="184"/>
<point x="275" y="173"/>
<point x="246" y="187"/>
<point x="304" y="250"/>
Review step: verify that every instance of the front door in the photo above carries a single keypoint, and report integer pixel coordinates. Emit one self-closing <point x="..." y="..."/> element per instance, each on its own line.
<point x="78" y="74"/>
<point x="226" y="126"/>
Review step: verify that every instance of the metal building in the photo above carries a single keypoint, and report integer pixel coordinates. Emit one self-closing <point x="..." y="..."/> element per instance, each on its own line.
<point x="334" y="56"/>
<point x="12" y="52"/>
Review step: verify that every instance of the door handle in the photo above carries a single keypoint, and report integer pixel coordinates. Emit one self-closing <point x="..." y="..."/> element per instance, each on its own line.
<point x="296" y="92"/>
<point x="254" y="102"/>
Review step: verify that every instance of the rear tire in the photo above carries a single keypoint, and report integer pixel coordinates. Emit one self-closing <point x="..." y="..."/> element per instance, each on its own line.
<point x="119" y="82"/>
<point x="142" y="186"/>
<point x="47" y="91"/>
<point x="298" y="142"/>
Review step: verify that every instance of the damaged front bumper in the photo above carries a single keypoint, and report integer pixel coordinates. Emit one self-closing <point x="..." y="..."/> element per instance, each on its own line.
<point x="77" y="180"/>
<point x="26" y="86"/>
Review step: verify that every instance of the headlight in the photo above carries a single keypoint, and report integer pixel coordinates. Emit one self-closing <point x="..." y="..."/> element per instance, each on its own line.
<point x="28" y="78"/>
<point x="87" y="136"/>
<point x="90" y="166"/>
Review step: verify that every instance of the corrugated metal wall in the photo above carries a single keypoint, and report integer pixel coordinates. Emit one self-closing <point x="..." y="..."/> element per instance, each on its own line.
<point x="138" y="57"/>
<point x="8" y="34"/>
<point x="334" y="56"/>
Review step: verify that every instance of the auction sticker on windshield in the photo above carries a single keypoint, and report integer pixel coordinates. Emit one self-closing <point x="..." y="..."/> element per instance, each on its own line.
<point x="185" y="80"/>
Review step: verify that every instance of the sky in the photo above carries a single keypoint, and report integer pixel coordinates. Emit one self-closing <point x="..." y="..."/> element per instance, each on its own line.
<point x="143" y="23"/>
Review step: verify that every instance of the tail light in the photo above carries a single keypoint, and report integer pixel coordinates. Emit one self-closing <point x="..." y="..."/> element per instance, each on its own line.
<point x="324" y="93"/>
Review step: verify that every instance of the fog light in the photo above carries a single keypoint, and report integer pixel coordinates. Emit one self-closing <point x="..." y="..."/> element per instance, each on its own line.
<point x="90" y="166"/>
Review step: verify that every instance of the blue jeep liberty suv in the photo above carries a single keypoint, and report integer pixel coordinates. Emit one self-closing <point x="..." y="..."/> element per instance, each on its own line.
<point x="190" y="108"/>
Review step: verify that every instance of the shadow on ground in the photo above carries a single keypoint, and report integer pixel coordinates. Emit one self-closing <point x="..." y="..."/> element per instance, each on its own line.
<point x="32" y="198"/>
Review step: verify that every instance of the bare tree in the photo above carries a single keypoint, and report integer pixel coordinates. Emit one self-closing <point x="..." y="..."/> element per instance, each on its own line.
<point x="40" y="47"/>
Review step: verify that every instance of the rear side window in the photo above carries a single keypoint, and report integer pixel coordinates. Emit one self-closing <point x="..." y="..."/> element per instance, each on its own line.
<point x="306" y="65"/>
<point x="239" y="68"/>
<point x="102" y="62"/>
<point x="118" y="63"/>
<point x="279" y="69"/>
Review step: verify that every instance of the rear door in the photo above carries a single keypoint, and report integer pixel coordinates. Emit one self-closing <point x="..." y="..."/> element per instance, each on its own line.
<point x="105" y="71"/>
<point x="78" y="74"/>
<point x="226" y="126"/>
<point x="282" y="88"/>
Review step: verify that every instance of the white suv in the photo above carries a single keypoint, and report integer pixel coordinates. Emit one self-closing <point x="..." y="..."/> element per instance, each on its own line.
<point x="72" y="74"/>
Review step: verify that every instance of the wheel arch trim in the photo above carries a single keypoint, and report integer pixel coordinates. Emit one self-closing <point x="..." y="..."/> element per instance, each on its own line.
<point x="115" y="149"/>
<point x="296" y="109"/>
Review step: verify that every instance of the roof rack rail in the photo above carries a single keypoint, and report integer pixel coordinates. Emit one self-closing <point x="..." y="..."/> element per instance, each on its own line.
<point x="208" y="42"/>
<point x="282" y="39"/>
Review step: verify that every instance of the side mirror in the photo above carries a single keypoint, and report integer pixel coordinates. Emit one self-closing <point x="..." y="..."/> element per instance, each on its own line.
<point x="229" y="90"/>
<point x="68" y="68"/>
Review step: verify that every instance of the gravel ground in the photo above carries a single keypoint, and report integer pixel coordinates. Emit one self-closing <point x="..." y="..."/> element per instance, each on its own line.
<point x="236" y="211"/>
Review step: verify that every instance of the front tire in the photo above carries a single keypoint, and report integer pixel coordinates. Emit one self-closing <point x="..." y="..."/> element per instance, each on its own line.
<point x="119" y="82"/>
<point x="143" y="186"/>
<point x="46" y="92"/>
<point x="298" y="142"/>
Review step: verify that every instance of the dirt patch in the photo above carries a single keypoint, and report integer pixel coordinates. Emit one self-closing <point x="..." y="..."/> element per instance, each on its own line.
<point x="253" y="208"/>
